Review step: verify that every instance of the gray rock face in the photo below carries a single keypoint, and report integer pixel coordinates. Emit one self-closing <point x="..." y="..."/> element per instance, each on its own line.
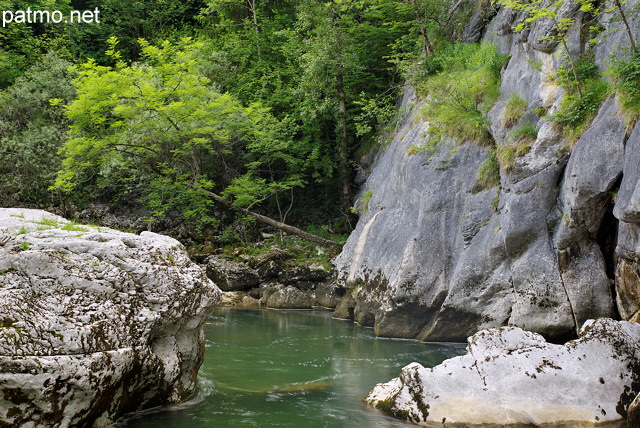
<point x="94" y="322"/>
<point x="434" y="259"/>
<point x="510" y="376"/>
<point x="231" y="276"/>
<point x="543" y="36"/>
<point x="627" y="210"/>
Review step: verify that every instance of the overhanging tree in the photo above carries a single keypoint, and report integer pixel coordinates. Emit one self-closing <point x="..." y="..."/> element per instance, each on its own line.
<point x="161" y="128"/>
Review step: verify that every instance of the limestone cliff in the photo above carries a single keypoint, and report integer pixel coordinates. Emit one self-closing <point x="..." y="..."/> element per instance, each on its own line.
<point x="434" y="259"/>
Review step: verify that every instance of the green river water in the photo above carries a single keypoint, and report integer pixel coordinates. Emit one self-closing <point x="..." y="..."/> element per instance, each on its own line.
<point x="299" y="369"/>
<point x="304" y="369"/>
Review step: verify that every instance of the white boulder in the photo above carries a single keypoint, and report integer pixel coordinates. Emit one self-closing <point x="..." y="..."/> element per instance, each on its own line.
<point x="511" y="376"/>
<point x="94" y="323"/>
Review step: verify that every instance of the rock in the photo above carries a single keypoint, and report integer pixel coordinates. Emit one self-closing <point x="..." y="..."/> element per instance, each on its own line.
<point x="266" y="290"/>
<point x="543" y="36"/>
<point x="328" y="294"/>
<point x="95" y="323"/>
<point x="303" y="273"/>
<point x="345" y="308"/>
<point x="511" y="376"/>
<point x="438" y="258"/>
<point x="238" y="299"/>
<point x="289" y="298"/>
<point x="481" y="16"/>
<point x="231" y="276"/>
<point x="270" y="264"/>
<point x="627" y="211"/>
<point x="633" y="414"/>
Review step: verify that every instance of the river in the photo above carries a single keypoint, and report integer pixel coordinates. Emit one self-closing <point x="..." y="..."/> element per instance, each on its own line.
<point x="268" y="368"/>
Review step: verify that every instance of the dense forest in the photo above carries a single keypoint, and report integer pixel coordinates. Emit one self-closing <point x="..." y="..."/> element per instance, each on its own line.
<point x="199" y="107"/>
<point x="182" y="105"/>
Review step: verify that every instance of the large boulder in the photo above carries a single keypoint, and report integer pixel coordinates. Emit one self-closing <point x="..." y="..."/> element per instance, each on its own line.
<point x="289" y="298"/>
<point x="231" y="276"/>
<point x="511" y="376"/>
<point x="94" y="323"/>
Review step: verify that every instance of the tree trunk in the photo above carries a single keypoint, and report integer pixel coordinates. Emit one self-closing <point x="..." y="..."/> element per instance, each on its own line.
<point x="428" y="47"/>
<point x="271" y="222"/>
<point x="253" y="7"/>
<point x="632" y="42"/>
<point x="343" y="148"/>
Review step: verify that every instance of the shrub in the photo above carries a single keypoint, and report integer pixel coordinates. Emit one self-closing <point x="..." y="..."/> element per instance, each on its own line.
<point x="31" y="132"/>
<point x="514" y="109"/>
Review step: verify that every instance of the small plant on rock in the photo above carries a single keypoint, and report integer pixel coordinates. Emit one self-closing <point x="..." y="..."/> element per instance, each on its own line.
<point x="514" y="109"/>
<point x="527" y="133"/>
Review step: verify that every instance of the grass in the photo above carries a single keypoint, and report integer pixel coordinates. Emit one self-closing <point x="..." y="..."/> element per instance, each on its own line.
<point x="48" y="222"/>
<point x="365" y="199"/>
<point x="626" y="75"/>
<point x="461" y="92"/>
<point x="74" y="227"/>
<point x="488" y="173"/>
<point x="527" y="131"/>
<point x="576" y="111"/>
<point x="514" y="109"/>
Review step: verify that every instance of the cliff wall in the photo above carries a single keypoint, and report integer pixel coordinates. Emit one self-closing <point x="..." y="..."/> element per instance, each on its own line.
<point x="555" y="244"/>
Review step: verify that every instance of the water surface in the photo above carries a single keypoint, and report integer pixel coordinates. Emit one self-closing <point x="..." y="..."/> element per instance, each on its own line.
<point x="268" y="368"/>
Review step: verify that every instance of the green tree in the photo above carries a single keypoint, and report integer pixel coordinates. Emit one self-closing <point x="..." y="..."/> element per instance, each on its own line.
<point x="159" y="128"/>
<point x="32" y="131"/>
<point x="132" y="20"/>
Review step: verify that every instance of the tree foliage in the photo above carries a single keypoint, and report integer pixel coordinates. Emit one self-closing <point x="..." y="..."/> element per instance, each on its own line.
<point x="159" y="128"/>
<point x="32" y="130"/>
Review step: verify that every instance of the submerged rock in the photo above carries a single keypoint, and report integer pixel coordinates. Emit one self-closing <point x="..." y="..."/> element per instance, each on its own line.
<point x="511" y="376"/>
<point x="95" y="323"/>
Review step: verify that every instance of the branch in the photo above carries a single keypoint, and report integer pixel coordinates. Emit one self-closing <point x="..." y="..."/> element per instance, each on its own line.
<point x="271" y="222"/>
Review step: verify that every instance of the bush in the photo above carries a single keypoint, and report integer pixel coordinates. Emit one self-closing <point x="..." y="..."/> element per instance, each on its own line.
<point x="515" y="108"/>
